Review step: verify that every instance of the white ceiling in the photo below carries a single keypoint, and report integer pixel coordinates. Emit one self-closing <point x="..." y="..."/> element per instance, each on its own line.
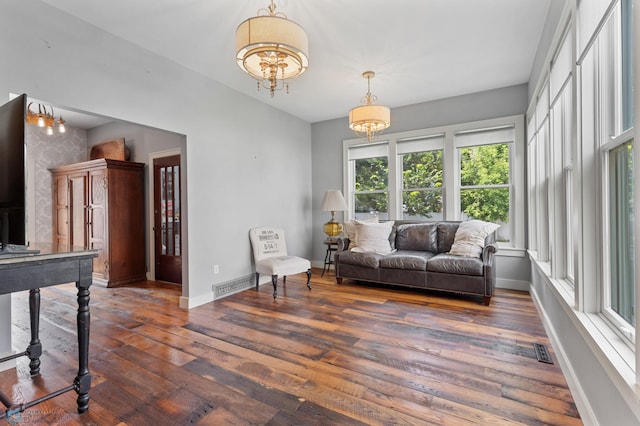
<point x="420" y="50"/>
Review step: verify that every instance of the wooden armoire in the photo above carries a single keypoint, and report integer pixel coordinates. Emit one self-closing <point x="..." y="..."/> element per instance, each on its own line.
<point x="99" y="205"/>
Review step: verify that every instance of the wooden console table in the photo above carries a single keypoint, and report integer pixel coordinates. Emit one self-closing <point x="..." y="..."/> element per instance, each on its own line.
<point x="53" y="265"/>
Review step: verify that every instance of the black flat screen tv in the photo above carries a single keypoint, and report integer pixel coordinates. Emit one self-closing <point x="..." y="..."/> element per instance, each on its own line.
<point x="12" y="175"/>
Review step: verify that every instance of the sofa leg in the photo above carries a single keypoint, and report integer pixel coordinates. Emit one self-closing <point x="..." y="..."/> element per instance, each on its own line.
<point x="339" y="280"/>
<point x="309" y="278"/>
<point x="486" y="300"/>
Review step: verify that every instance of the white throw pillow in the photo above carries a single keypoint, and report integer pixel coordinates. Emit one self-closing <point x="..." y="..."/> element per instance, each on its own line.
<point x="469" y="239"/>
<point x="350" y="228"/>
<point x="373" y="237"/>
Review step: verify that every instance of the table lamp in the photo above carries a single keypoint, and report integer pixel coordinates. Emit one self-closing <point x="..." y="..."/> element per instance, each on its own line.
<point x="333" y="201"/>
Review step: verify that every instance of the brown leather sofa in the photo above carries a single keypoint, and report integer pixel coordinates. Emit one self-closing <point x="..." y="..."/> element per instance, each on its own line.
<point x="421" y="259"/>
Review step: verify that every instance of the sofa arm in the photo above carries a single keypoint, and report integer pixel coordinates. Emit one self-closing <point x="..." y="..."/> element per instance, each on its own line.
<point x="487" y="254"/>
<point x="343" y="243"/>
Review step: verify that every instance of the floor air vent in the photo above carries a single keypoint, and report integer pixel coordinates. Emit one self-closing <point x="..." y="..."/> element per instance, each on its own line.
<point x="542" y="353"/>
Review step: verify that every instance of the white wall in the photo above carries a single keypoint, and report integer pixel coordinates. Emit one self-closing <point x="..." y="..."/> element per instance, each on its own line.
<point x="327" y="137"/>
<point x="239" y="175"/>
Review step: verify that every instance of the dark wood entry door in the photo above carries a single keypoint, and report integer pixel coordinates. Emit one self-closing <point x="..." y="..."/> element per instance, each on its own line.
<point x="167" y="212"/>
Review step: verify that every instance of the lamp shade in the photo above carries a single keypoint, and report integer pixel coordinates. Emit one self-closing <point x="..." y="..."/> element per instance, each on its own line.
<point x="333" y="201"/>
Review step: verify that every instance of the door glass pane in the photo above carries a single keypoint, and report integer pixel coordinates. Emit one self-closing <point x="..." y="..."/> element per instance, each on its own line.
<point x="163" y="210"/>
<point x="176" y="209"/>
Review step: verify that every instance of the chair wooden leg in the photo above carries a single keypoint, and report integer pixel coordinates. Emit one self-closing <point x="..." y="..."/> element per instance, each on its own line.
<point x="257" y="280"/>
<point x="308" y="278"/>
<point x="284" y="280"/>
<point x="274" y="280"/>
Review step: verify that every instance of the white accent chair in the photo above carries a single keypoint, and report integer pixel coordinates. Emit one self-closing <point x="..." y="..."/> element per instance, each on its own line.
<point x="270" y="255"/>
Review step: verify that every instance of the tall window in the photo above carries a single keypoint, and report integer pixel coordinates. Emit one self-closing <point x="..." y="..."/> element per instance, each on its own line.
<point x="422" y="169"/>
<point x="621" y="242"/>
<point x="484" y="181"/>
<point x="369" y="191"/>
<point x="485" y="177"/>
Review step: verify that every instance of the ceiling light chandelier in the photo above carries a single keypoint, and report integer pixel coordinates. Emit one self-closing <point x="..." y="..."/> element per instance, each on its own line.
<point x="272" y="49"/>
<point x="368" y="120"/>
<point x="44" y="118"/>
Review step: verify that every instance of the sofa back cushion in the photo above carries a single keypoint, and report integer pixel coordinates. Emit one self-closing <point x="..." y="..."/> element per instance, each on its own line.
<point x="417" y="236"/>
<point x="446" y="235"/>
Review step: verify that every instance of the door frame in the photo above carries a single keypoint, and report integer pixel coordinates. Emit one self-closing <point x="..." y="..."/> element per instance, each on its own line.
<point x="151" y="275"/>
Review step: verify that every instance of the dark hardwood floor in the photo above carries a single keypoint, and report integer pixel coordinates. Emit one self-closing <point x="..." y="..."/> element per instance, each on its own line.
<point x="348" y="354"/>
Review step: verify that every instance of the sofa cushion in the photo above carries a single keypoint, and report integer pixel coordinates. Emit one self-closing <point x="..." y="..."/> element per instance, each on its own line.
<point x="373" y="237"/>
<point x="446" y="235"/>
<point x="469" y="239"/>
<point x="417" y="236"/>
<point x="369" y="260"/>
<point x="451" y="264"/>
<point x="405" y="259"/>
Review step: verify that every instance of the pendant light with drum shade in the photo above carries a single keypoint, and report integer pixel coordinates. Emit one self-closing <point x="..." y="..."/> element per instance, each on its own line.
<point x="368" y="120"/>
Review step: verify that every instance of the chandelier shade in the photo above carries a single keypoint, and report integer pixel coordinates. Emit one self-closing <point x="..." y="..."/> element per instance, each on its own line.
<point x="369" y="119"/>
<point x="272" y="49"/>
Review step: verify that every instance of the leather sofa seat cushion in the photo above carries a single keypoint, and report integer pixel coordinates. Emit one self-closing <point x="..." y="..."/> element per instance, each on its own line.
<point x="409" y="260"/>
<point x="417" y="236"/>
<point x="369" y="260"/>
<point x="450" y="264"/>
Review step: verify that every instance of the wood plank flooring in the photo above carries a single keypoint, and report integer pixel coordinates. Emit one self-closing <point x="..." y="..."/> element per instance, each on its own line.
<point x="345" y="355"/>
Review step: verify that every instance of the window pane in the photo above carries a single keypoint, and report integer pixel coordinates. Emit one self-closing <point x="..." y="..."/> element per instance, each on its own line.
<point x="484" y="165"/>
<point x="371" y="187"/>
<point x="425" y="204"/>
<point x="371" y="204"/>
<point x="483" y="168"/>
<point x="627" y="64"/>
<point x="372" y="174"/>
<point x="622" y="294"/>
<point x="488" y="204"/>
<point x="420" y="172"/>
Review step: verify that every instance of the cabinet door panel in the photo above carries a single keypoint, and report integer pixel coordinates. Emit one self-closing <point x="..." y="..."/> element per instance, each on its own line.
<point x="97" y="224"/>
<point x="78" y="208"/>
<point x="61" y="218"/>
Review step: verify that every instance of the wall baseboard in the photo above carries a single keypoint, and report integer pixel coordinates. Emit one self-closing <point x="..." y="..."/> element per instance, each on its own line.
<point x="513" y="284"/>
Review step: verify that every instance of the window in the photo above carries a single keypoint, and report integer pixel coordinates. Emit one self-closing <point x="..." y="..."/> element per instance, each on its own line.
<point x="455" y="172"/>
<point x="484" y="181"/>
<point x="484" y="168"/>
<point x="422" y="168"/>
<point x="621" y="295"/>
<point x="369" y="191"/>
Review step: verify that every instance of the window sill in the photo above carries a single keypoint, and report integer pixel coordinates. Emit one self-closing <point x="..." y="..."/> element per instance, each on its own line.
<point x="510" y="251"/>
